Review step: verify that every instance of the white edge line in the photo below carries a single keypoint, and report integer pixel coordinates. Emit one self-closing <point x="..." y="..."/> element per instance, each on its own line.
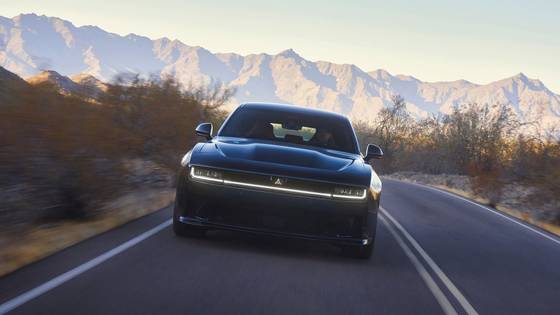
<point x="437" y="270"/>
<point x="55" y="282"/>
<point x="424" y="274"/>
<point x="496" y="212"/>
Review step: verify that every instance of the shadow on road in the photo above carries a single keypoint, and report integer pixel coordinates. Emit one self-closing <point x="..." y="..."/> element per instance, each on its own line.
<point x="259" y="245"/>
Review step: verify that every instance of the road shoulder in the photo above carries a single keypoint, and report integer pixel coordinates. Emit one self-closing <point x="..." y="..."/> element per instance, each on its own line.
<point x="508" y="211"/>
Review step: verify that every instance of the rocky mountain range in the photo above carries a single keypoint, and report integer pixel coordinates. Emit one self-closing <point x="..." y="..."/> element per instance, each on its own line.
<point x="31" y="44"/>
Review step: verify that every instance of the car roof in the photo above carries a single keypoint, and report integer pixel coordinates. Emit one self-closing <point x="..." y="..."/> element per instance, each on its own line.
<point x="296" y="109"/>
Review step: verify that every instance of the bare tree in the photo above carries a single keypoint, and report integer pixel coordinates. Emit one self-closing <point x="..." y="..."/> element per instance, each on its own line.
<point x="212" y="97"/>
<point x="392" y="131"/>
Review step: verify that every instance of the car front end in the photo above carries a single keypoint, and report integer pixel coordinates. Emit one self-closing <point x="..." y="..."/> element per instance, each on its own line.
<point x="278" y="188"/>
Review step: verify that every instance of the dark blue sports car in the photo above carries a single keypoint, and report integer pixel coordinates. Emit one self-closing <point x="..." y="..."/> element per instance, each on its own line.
<point x="281" y="170"/>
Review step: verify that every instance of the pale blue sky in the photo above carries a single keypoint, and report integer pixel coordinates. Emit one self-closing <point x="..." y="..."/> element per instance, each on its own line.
<point x="437" y="40"/>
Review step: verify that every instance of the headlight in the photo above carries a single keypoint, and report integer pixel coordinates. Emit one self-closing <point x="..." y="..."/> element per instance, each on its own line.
<point x="349" y="193"/>
<point x="186" y="159"/>
<point x="375" y="182"/>
<point x="206" y="174"/>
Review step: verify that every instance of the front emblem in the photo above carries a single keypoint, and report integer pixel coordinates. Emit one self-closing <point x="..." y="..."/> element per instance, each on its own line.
<point x="278" y="180"/>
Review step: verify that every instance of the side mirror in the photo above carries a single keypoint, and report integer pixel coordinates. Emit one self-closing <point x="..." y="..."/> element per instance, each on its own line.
<point x="373" y="152"/>
<point x="204" y="130"/>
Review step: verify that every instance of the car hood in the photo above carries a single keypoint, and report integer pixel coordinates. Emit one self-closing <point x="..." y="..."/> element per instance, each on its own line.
<point x="283" y="160"/>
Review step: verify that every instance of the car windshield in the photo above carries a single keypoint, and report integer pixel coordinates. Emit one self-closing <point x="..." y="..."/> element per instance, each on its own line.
<point x="282" y="126"/>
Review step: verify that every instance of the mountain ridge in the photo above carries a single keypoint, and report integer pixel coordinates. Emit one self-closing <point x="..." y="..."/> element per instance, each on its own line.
<point x="30" y="43"/>
<point x="82" y="84"/>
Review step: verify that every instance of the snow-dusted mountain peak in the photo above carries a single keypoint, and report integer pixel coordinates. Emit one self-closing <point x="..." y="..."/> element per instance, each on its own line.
<point x="31" y="43"/>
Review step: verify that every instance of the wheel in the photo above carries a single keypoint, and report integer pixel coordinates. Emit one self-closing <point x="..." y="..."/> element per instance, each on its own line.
<point x="182" y="229"/>
<point x="361" y="252"/>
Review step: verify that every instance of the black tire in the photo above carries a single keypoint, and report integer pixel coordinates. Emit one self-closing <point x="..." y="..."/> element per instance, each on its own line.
<point x="364" y="251"/>
<point x="361" y="252"/>
<point x="186" y="230"/>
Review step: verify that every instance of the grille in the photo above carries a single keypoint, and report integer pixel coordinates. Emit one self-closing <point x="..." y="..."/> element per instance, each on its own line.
<point x="278" y="183"/>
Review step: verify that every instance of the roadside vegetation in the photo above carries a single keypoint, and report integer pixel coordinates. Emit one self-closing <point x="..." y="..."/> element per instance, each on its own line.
<point x="478" y="142"/>
<point x="75" y="164"/>
<point x="66" y="160"/>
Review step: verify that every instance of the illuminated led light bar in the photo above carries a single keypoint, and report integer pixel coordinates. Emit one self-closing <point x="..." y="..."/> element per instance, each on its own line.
<point x="207" y="178"/>
<point x="297" y="191"/>
<point x="351" y="197"/>
<point x="229" y="182"/>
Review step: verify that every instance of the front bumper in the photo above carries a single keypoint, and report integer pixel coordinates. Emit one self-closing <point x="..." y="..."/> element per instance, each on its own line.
<point x="203" y="223"/>
<point x="216" y="206"/>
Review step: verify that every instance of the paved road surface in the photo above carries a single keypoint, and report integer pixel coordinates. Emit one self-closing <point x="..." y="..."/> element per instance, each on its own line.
<point x="435" y="253"/>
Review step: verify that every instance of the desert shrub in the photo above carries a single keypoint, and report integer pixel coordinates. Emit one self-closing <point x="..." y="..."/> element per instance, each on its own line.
<point x="162" y="114"/>
<point x="480" y="141"/>
<point x="53" y="145"/>
<point x="536" y="161"/>
<point x="63" y="157"/>
<point x="392" y="130"/>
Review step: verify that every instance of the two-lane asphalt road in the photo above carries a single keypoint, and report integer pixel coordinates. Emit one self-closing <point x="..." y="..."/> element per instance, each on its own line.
<point x="435" y="253"/>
